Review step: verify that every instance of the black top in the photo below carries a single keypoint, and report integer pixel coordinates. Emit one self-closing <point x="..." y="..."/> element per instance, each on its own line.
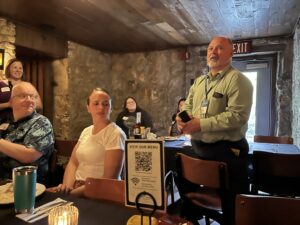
<point x="127" y="120"/>
<point x="5" y="93"/>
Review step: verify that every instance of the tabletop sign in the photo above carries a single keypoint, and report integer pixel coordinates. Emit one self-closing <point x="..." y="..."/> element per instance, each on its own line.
<point x="241" y="47"/>
<point x="144" y="164"/>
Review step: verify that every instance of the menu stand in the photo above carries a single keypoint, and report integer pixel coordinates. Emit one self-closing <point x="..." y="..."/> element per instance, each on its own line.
<point x="140" y="205"/>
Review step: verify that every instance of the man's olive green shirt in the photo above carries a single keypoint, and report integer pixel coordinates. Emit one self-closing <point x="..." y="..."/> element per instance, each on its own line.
<point x="229" y="94"/>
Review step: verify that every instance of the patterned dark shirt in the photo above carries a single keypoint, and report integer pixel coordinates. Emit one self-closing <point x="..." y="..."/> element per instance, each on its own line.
<point x="34" y="131"/>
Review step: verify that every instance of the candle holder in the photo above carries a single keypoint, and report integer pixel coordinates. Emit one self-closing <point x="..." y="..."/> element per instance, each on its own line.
<point x="63" y="215"/>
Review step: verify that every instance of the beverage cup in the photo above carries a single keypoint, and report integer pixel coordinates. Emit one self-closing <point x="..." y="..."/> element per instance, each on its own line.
<point x="24" y="186"/>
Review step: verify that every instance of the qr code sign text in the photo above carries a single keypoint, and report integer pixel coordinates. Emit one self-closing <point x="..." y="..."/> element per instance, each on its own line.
<point x="143" y="161"/>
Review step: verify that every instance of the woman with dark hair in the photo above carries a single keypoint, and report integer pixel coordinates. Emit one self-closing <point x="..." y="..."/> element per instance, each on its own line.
<point x="13" y="75"/>
<point x="173" y="130"/>
<point x="128" y="117"/>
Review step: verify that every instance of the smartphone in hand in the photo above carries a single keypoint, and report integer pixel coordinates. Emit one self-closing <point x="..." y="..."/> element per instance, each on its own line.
<point x="184" y="116"/>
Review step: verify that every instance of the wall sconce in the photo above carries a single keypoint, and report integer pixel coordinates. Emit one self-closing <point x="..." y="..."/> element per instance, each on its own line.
<point x="1" y="59"/>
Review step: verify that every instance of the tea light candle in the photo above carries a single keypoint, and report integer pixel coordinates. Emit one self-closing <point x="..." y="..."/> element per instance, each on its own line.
<point x="63" y="215"/>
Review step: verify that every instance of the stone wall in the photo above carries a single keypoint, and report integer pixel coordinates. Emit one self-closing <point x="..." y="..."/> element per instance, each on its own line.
<point x="7" y="40"/>
<point x="284" y="82"/>
<point x="156" y="79"/>
<point x="296" y="87"/>
<point x="61" y="108"/>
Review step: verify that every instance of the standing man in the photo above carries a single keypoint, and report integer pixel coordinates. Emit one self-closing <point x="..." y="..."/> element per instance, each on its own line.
<point x="28" y="139"/>
<point x="219" y="106"/>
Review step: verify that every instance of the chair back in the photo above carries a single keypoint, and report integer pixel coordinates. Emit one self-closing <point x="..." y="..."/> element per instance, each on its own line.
<point x="52" y="161"/>
<point x="65" y="147"/>
<point x="276" y="173"/>
<point x="58" y="160"/>
<point x="273" y="139"/>
<point x="105" y="189"/>
<point x="203" y="186"/>
<point x="49" y="180"/>
<point x="212" y="175"/>
<point x="264" y="210"/>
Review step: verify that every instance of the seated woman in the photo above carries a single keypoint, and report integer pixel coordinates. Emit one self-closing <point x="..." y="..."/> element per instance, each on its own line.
<point x="173" y="130"/>
<point x="99" y="152"/>
<point x="127" y="118"/>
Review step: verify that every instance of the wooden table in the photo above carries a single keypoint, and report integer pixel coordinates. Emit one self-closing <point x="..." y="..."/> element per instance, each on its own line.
<point x="91" y="212"/>
<point x="273" y="148"/>
<point x="184" y="146"/>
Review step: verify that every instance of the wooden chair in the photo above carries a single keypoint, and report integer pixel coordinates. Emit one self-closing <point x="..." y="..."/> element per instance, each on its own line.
<point x="62" y="149"/>
<point x="276" y="174"/>
<point x="273" y="139"/>
<point x="65" y="147"/>
<point x="266" y="210"/>
<point x="105" y="189"/>
<point x="203" y="186"/>
<point x="51" y="169"/>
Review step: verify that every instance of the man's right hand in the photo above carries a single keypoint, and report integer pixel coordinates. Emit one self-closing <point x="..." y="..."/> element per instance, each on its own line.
<point x="180" y="123"/>
<point x="191" y="126"/>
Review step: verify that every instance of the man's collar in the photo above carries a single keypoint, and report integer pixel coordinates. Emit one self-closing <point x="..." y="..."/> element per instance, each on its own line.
<point x="220" y="74"/>
<point x="26" y="118"/>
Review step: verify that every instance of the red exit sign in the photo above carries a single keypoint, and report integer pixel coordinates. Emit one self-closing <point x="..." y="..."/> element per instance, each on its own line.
<point x="241" y="47"/>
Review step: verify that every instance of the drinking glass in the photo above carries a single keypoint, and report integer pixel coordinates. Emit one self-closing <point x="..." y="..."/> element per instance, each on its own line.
<point x="24" y="186"/>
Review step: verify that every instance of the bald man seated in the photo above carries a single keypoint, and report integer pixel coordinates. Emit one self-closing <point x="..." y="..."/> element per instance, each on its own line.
<point x="28" y="139"/>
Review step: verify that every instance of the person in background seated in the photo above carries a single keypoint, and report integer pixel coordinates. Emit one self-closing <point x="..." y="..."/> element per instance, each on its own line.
<point x="99" y="152"/>
<point x="28" y="138"/>
<point x="219" y="105"/>
<point x="14" y="73"/>
<point x="127" y="118"/>
<point x="173" y="129"/>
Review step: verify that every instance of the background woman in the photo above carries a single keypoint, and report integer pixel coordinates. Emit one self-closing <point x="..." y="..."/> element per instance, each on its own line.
<point x="173" y="130"/>
<point x="99" y="152"/>
<point x="13" y="75"/>
<point x="127" y="118"/>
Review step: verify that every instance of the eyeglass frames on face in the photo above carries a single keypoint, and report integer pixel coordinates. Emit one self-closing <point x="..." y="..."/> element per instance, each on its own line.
<point x="25" y="96"/>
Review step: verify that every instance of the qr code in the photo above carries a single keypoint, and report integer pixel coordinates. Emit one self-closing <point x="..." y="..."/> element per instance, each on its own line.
<point x="143" y="161"/>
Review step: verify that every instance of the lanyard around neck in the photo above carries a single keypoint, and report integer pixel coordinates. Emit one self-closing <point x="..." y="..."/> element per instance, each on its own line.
<point x="206" y="84"/>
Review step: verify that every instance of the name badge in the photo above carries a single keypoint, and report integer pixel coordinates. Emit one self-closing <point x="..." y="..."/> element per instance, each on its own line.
<point x="5" y="89"/>
<point x="4" y="126"/>
<point x="204" y="107"/>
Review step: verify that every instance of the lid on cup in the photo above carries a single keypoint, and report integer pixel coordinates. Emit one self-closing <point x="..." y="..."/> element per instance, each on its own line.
<point x="24" y="170"/>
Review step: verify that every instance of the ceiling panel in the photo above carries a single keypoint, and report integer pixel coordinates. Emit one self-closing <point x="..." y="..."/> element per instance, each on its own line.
<point x="143" y="25"/>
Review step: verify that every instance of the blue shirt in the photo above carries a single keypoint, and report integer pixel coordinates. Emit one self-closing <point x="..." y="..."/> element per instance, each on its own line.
<point x="34" y="131"/>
